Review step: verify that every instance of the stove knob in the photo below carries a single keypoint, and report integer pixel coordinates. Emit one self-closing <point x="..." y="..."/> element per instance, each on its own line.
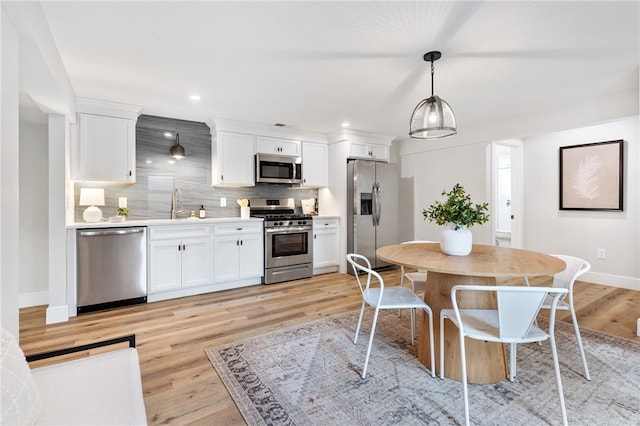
<point x="304" y="222"/>
<point x="281" y="223"/>
<point x="290" y="222"/>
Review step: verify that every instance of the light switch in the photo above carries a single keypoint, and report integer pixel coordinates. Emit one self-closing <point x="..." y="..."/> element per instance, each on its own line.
<point x="223" y="202"/>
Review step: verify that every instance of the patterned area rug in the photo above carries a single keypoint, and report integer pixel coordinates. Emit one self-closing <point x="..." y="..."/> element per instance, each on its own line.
<point x="310" y="375"/>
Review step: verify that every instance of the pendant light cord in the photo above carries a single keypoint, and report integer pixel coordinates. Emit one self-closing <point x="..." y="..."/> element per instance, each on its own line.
<point x="432" y="77"/>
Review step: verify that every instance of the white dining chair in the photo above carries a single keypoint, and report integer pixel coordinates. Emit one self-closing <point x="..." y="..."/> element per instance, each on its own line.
<point x="512" y="322"/>
<point x="566" y="279"/>
<point x="381" y="297"/>
<point x="417" y="279"/>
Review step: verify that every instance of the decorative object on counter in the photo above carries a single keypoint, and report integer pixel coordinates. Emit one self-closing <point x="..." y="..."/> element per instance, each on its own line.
<point x="177" y="151"/>
<point x="433" y="117"/>
<point x="203" y="212"/>
<point x="193" y="214"/>
<point x="457" y="214"/>
<point x="121" y="212"/>
<point x="92" y="197"/>
<point x="244" y="208"/>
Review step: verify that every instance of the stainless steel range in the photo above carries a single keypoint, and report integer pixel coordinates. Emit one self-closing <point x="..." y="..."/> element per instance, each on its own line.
<point x="288" y="240"/>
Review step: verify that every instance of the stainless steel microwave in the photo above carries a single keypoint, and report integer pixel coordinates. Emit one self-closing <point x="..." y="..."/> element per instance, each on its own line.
<point x="278" y="169"/>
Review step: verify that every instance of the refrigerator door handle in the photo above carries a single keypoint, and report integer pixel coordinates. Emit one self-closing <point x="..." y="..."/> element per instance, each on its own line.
<point x="377" y="201"/>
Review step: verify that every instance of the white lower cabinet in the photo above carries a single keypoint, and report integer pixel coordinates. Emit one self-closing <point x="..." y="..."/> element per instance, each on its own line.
<point x="325" y="245"/>
<point x="179" y="257"/>
<point x="238" y="251"/>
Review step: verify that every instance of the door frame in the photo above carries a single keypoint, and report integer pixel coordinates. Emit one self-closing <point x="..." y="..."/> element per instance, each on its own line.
<point x="517" y="185"/>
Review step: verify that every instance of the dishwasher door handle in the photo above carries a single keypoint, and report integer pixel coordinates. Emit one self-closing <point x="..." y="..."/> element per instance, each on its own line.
<point x="111" y="232"/>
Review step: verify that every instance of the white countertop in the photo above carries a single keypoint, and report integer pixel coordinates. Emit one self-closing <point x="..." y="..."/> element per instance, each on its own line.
<point x="156" y="222"/>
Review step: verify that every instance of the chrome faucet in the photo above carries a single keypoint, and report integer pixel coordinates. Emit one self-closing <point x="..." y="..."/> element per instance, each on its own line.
<point x="176" y="203"/>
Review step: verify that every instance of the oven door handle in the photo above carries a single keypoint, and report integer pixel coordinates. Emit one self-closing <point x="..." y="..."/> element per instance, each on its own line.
<point x="288" y="230"/>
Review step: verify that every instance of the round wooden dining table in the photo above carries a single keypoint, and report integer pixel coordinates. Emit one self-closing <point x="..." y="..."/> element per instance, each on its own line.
<point x="486" y="361"/>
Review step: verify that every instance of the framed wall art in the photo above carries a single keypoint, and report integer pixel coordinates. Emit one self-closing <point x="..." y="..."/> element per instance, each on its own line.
<point x="591" y="176"/>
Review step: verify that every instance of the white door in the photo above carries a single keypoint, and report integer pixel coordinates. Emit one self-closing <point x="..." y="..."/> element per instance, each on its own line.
<point x="196" y="261"/>
<point x="225" y="257"/>
<point x="164" y="265"/>
<point x="251" y="255"/>
<point x="506" y="193"/>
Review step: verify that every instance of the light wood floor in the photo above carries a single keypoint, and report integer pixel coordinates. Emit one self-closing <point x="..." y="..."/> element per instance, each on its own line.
<point x="180" y="385"/>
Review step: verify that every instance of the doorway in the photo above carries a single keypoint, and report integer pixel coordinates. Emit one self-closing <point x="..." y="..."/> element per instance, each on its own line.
<point x="506" y="193"/>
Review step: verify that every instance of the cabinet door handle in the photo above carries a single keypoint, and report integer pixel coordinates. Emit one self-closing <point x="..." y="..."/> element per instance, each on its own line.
<point x="315" y="236"/>
<point x="222" y="178"/>
<point x="184" y="247"/>
<point x="240" y="242"/>
<point x="179" y="247"/>
<point x="238" y="229"/>
<point x="237" y="242"/>
<point x="130" y="174"/>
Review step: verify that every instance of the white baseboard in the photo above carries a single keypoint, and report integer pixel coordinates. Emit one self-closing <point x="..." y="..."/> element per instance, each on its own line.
<point x="35" y="298"/>
<point x="57" y="314"/>
<point x="611" y="280"/>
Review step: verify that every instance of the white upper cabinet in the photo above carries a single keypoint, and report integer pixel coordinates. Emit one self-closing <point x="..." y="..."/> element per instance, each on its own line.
<point x="315" y="164"/>
<point x="369" y="151"/>
<point x="233" y="159"/>
<point x="104" y="148"/>
<point x="276" y="146"/>
<point x="363" y="145"/>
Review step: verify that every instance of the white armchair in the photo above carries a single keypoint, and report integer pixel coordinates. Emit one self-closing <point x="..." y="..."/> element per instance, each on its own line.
<point x="99" y="389"/>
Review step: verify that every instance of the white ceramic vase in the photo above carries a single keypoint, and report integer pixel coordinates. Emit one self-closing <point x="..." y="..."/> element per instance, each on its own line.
<point x="455" y="242"/>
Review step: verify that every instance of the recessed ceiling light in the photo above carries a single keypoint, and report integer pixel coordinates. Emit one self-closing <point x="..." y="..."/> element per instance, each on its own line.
<point x="345" y="124"/>
<point x="194" y="97"/>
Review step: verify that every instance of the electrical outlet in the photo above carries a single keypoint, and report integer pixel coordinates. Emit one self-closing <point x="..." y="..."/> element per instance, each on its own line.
<point x="223" y="202"/>
<point x="602" y="253"/>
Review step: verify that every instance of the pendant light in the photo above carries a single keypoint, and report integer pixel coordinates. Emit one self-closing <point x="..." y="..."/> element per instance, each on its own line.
<point x="433" y="117"/>
<point x="177" y="150"/>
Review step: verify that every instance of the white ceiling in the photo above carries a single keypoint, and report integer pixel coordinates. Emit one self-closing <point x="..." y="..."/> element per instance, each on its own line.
<point x="313" y="65"/>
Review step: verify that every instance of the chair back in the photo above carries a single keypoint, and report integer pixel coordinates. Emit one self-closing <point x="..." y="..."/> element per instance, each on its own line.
<point x="518" y="306"/>
<point x="575" y="268"/>
<point x="361" y="265"/>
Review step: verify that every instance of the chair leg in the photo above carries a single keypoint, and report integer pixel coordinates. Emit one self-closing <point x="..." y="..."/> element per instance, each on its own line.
<point x="579" y="338"/>
<point x="355" y="339"/>
<point x="373" y="330"/>
<point x="442" y="317"/>
<point x="433" y="359"/>
<point x="556" y="367"/>
<point x="465" y="392"/>
<point x="413" y="326"/>
<point x="512" y="362"/>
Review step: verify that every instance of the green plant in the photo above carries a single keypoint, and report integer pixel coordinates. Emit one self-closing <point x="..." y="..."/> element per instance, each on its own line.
<point x="457" y="210"/>
<point x="122" y="211"/>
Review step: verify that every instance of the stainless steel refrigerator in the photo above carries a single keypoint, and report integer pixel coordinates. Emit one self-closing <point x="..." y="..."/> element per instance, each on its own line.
<point x="372" y="212"/>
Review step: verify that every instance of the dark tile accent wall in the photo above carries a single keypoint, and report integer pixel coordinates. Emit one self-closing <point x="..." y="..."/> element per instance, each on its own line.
<point x="157" y="174"/>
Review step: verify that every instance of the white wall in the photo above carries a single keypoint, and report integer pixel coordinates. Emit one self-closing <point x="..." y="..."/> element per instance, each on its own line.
<point x="439" y="170"/>
<point x="581" y="233"/>
<point x="33" y="212"/>
<point x="9" y="218"/>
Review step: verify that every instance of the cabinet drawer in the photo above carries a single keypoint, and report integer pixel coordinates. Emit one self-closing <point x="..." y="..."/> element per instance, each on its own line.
<point x="319" y="224"/>
<point x="179" y="231"/>
<point x="237" y="228"/>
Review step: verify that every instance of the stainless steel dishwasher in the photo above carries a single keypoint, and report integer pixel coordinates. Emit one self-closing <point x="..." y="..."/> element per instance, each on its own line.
<point x="111" y="267"/>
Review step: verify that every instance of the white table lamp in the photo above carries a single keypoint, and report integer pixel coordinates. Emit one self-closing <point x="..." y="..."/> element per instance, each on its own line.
<point x="92" y="197"/>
